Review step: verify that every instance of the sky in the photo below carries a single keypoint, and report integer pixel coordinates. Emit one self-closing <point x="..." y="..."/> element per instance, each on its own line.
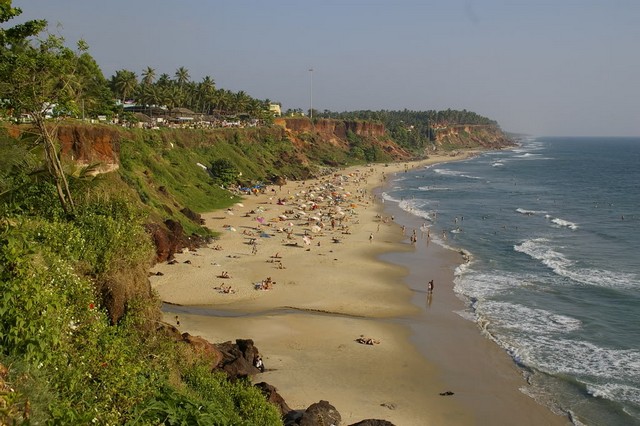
<point x="540" y="67"/>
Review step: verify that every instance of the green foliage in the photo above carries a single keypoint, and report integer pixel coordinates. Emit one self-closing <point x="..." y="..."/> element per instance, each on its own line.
<point x="413" y="130"/>
<point x="224" y="171"/>
<point x="76" y="368"/>
<point x="208" y="400"/>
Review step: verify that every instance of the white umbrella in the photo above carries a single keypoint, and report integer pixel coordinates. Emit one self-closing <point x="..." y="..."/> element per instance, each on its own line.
<point x="315" y="229"/>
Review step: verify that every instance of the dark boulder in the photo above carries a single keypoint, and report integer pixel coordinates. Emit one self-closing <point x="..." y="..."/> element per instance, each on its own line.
<point x="192" y="216"/>
<point x="321" y="414"/>
<point x="373" y="422"/>
<point x="238" y="359"/>
<point x="272" y="395"/>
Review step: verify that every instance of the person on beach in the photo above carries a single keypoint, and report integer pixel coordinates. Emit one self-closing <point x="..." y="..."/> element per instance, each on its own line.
<point x="371" y="237"/>
<point x="430" y="286"/>
<point x="258" y="363"/>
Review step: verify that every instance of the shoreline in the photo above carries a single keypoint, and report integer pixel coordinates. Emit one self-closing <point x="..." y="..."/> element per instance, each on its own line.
<point x="345" y="284"/>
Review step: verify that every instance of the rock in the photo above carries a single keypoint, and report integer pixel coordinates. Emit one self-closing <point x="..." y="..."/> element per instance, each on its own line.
<point x="192" y="216"/>
<point x="238" y="359"/>
<point x="373" y="422"/>
<point x="321" y="414"/>
<point x="270" y="392"/>
<point x="292" y="418"/>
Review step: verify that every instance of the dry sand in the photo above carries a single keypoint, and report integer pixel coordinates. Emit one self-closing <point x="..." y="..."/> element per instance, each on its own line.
<point x="329" y="291"/>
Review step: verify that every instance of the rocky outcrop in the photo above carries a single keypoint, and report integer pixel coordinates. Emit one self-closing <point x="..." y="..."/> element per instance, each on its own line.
<point x="239" y="359"/>
<point x="169" y="238"/>
<point x="320" y="414"/>
<point x="333" y="128"/>
<point x="91" y="145"/>
<point x="471" y="136"/>
<point x="272" y="395"/>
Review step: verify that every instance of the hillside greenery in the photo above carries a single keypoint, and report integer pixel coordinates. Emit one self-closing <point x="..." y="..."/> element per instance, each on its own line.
<point x="68" y="363"/>
<point x="413" y="130"/>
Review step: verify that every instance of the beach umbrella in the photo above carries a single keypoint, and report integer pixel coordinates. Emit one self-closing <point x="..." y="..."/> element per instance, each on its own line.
<point x="306" y="240"/>
<point x="239" y="204"/>
<point x="291" y="225"/>
<point x="231" y="228"/>
<point x="229" y="212"/>
<point x="260" y="219"/>
<point x="283" y="217"/>
<point x="315" y="229"/>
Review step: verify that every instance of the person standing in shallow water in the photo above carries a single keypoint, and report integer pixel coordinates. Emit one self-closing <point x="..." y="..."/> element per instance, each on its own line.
<point x="430" y="286"/>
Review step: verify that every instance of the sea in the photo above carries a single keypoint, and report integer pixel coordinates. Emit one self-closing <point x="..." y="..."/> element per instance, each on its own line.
<point x="551" y="235"/>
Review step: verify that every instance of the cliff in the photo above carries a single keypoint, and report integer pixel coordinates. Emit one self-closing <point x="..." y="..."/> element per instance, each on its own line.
<point x="471" y="136"/>
<point x="91" y="145"/>
<point x="333" y="129"/>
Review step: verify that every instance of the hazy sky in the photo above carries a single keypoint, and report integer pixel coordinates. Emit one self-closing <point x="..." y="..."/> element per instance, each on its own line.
<point x="544" y="67"/>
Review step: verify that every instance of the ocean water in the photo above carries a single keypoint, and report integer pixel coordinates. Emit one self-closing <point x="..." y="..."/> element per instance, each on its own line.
<point x="552" y="230"/>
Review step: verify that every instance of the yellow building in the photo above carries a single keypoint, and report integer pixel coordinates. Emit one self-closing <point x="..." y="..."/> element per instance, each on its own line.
<point x="275" y="109"/>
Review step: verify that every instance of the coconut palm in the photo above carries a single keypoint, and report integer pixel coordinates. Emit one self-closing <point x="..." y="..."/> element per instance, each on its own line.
<point x="164" y="80"/>
<point x="148" y="76"/>
<point x="182" y="76"/>
<point x="124" y="83"/>
<point x="206" y="90"/>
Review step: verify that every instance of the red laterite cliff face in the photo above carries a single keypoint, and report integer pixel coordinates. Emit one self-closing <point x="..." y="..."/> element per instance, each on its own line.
<point x="334" y="128"/>
<point x="91" y="144"/>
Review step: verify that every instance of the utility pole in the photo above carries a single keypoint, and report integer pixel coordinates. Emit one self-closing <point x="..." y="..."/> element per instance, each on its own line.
<point x="311" y="96"/>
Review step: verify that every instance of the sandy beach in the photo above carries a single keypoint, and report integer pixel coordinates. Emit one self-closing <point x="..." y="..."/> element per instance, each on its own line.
<point x="309" y="271"/>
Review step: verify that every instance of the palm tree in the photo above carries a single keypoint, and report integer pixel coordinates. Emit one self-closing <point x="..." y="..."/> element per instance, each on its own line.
<point x="182" y="76"/>
<point x="148" y="75"/>
<point x="124" y="83"/>
<point x="206" y="90"/>
<point x="223" y="100"/>
<point x="164" y="80"/>
<point x="241" y="101"/>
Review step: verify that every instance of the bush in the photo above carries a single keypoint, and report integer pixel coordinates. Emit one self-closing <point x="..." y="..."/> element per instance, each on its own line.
<point x="75" y="367"/>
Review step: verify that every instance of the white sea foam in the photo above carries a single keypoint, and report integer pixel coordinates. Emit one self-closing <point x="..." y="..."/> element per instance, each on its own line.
<point x="542" y="250"/>
<point x="480" y="285"/>
<point x="387" y="197"/>
<point x="433" y="188"/>
<point x="563" y="223"/>
<point x="556" y="355"/>
<point x="519" y="318"/>
<point x="529" y="212"/>
<point x="412" y="207"/>
<point x="497" y="164"/>
<point x="448" y="172"/>
<point x="615" y="391"/>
